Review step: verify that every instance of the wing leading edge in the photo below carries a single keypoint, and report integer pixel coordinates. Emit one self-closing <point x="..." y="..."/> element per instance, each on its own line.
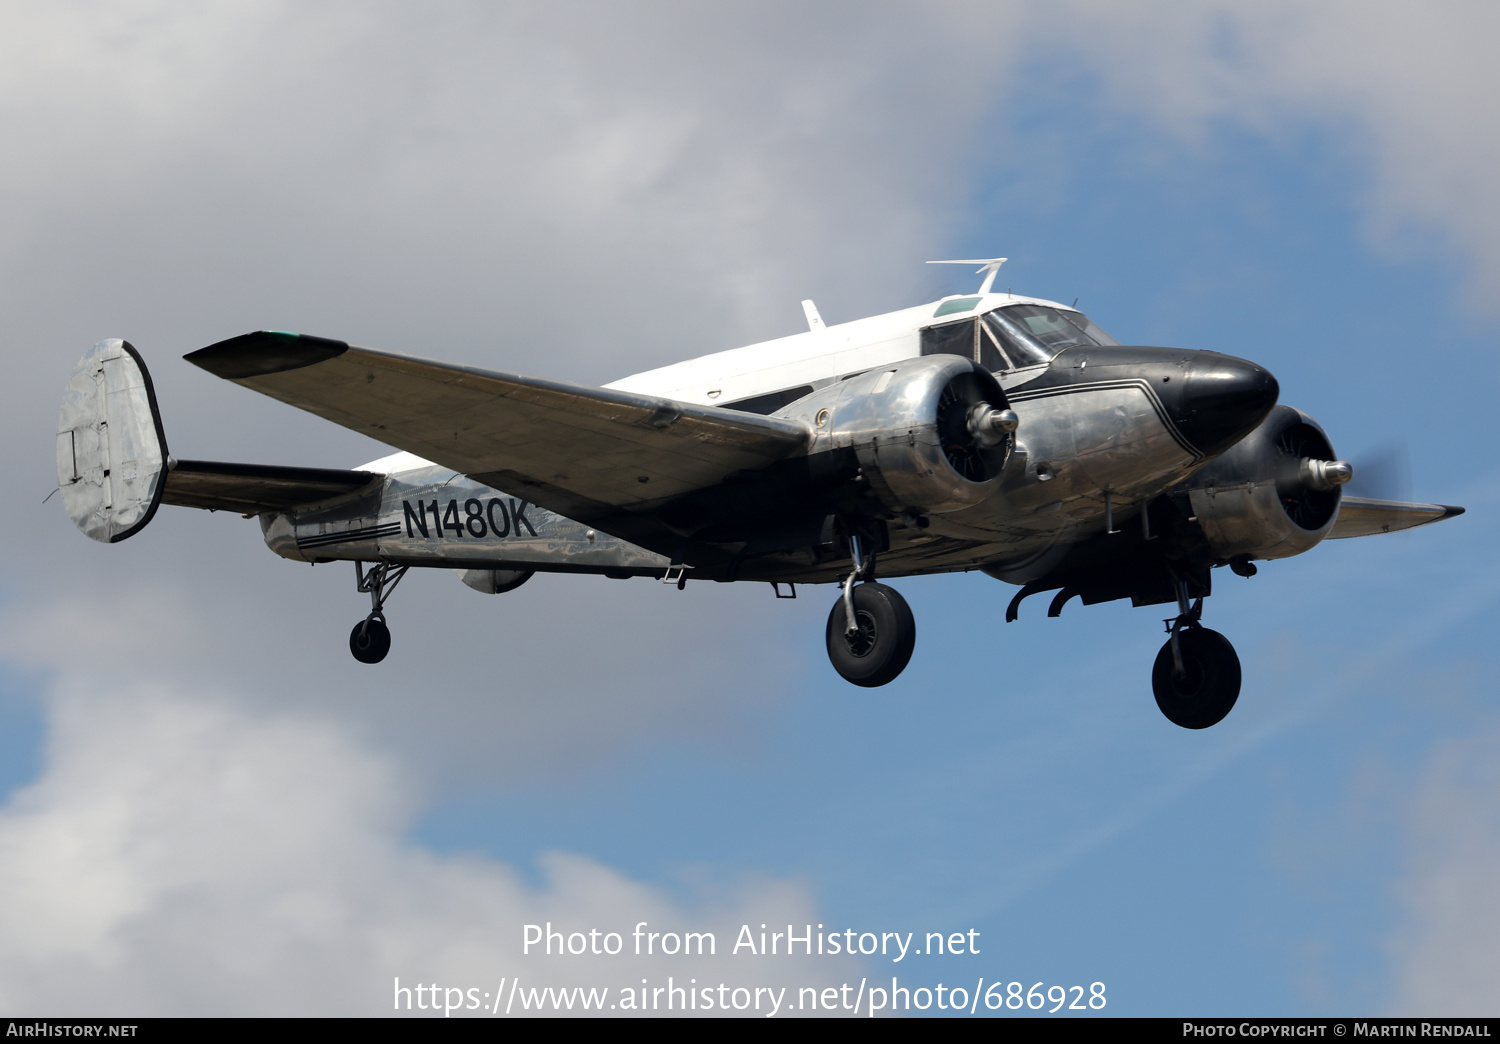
<point x="600" y="456"/>
<point x="1360" y="516"/>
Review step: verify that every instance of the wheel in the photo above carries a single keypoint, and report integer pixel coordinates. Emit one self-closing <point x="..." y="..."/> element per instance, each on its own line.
<point x="880" y="649"/>
<point x="370" y="641"/>
<point x="1210" y="682"/>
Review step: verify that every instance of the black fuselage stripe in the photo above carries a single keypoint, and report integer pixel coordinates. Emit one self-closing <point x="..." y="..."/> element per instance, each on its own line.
<point x="350" y="535"/>
<point x="1136" y="382"/>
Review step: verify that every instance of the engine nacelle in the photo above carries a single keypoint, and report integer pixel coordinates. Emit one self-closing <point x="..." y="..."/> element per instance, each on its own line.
<point x="1274" y="494"/>
<point x="931" y="435"/>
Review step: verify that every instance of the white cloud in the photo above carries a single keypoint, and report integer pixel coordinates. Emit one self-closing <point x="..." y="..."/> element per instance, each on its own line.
<point x="568" y="190"/>
<point x="180" y="857"/>
<point x="1408" y="99"/>
<point x="571" y="191"/>
<point x="1448" y="957"/>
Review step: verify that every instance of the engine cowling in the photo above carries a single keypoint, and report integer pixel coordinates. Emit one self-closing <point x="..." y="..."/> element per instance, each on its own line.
<point x="931" y="435"/>
<point x="1275" y="493"/>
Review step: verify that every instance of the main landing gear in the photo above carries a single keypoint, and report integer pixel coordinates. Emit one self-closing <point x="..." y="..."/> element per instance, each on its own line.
<point x="1196" y="677"/>
<point x="871" y="631"/>
<point x="371" y="638"/>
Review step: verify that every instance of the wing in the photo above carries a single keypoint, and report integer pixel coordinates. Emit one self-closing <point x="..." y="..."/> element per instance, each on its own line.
<point x="603" y="457"/>
<point x="253" y="488"/>
<point x="1359" y="516"/>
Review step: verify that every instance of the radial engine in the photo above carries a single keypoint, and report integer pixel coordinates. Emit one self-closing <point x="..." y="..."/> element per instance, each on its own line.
<point x="1274" y="494"/>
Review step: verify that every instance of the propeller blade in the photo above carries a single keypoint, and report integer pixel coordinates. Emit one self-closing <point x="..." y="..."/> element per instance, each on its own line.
<point x="1383" y="473"/>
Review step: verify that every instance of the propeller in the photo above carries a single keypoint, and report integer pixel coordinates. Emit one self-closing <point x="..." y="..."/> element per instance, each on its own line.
<point x="1383" y="473"/>
<point x="1307" y="476"/>
<point x="959" y="444"/>
<point x="972" y="430"/>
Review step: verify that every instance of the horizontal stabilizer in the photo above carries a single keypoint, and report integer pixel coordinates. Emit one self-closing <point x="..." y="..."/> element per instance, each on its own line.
<point x="251" y="489"/>
<point x="1359" y="516"/>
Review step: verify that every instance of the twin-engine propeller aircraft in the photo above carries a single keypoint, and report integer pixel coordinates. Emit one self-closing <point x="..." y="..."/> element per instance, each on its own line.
<point x="985" y="431"/>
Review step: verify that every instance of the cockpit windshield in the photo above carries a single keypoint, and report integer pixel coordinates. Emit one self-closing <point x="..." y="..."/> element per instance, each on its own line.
<point x="1033" y="334"/>
<point x="1015" y="336"/>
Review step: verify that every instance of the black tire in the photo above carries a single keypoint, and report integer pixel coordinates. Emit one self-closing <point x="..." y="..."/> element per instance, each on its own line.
<point x="1211" y="681"/>
<point x="370" y="641"/>
<point x="882" y="647"/>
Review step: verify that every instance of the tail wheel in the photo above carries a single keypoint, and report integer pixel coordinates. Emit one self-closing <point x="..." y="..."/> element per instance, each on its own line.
<point x="370" y="640"/>
<point x="881" y="645"/>
<point x="1209" y="684"/>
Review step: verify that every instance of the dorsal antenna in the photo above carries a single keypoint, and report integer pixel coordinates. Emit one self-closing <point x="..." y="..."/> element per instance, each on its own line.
<point x="988" y="265"/>
<point x="814" y="320"/>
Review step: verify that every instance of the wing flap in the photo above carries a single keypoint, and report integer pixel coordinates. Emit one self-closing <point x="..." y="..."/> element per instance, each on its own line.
<point x="1359" y="516"/>
<point x="611" y="449"/>
<point x="253" y="488"/>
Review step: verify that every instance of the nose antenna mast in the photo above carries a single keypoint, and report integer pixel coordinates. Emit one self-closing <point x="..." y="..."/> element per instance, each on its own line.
<point x="988" y="265"/>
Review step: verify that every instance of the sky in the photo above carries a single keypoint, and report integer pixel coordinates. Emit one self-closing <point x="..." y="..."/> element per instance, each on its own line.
<point x="207" y="807"/>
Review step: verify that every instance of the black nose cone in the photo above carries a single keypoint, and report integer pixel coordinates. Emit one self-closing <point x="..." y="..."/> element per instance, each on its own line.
<point x="1220" y="401"/>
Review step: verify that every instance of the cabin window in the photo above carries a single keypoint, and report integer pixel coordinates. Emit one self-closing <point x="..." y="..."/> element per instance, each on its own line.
<point x="961" y="304"/>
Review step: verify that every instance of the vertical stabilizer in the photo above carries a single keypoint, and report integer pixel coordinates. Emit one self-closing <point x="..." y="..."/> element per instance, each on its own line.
<point x="111" y="453"/>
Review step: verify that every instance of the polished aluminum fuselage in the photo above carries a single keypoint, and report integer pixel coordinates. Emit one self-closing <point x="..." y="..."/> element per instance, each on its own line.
<point x="1088" y="453"/>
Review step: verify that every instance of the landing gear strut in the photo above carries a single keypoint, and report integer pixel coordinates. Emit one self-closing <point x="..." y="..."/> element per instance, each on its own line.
<point x="371" y="638"/>
<point x="871" y="631"/>
<point x="1196" y="677"/>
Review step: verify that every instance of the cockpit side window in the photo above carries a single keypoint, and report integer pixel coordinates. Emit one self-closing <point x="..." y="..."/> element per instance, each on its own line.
<point x="973" y="339"/>
<point x="950" y="339"/>
<point x="991" y="356"/>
